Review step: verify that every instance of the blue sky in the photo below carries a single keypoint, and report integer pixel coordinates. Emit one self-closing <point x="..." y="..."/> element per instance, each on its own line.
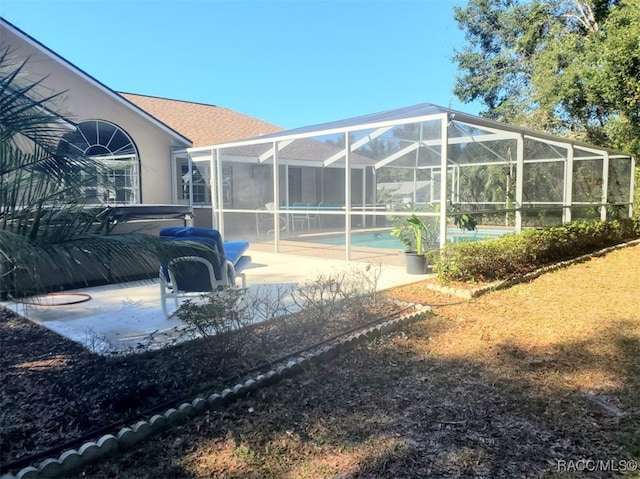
<point x="291" y="63"/>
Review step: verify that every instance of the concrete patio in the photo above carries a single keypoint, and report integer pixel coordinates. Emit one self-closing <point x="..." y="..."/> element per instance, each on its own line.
<point x="129" y="316"/>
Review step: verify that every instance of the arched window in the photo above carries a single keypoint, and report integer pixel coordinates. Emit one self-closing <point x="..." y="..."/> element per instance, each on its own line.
<point x="111" y="146"/>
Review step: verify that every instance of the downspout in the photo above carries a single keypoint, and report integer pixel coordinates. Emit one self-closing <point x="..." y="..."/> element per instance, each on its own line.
<point x="212" y="190"/>
<point x="219" y="193"/>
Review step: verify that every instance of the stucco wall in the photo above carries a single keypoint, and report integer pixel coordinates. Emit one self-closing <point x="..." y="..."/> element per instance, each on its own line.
<point x="83" y="101"/>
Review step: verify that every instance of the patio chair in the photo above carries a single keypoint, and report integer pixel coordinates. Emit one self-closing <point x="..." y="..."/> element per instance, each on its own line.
<point x="210" y="265"/>
<point x="264" y="220"/>
<point x="315" y="218"/>
<point x="282" y="226"/>
<point x="300" y="215"/>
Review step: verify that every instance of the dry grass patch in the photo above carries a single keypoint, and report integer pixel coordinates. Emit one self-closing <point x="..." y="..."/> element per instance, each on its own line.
<point x="583" y="321"/>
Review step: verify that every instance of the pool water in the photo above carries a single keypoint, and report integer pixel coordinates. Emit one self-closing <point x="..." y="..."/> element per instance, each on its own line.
<point x="383" y="239"/>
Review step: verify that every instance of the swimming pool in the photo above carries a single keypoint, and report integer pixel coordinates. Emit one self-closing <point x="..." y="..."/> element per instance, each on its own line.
<point x="383" y="239"/>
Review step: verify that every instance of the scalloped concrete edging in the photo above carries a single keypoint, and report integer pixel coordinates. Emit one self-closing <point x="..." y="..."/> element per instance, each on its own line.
<point x="524" y="278"/>
<point x="128" y="437"/>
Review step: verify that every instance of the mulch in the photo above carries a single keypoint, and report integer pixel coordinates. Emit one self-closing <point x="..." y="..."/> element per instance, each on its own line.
<point x="53" y="390"/>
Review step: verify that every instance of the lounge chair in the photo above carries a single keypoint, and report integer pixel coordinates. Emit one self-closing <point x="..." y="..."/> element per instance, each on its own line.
<point x="210" y="265"/>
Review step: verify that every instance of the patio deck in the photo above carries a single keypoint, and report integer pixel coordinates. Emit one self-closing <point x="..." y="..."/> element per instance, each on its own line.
<point x="123" y="316"/>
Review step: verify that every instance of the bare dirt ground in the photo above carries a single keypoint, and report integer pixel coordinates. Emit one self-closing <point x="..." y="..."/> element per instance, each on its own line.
<point x="540" y="380"/>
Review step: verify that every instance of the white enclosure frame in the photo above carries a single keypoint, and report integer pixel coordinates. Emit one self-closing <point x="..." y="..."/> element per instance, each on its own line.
<point x="457" y="131"/>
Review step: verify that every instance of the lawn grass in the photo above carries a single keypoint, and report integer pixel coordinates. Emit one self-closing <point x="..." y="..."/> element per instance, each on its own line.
<point x="512" y="384"/>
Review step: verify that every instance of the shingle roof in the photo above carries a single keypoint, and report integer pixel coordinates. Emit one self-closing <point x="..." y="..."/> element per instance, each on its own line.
<point x="203" y="124"/>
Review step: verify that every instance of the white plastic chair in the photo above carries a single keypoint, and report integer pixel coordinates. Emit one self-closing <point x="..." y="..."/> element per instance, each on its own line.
<point x="316" y="218"/>
<point x="301" y="215"/>
<point x="176" y="280"/>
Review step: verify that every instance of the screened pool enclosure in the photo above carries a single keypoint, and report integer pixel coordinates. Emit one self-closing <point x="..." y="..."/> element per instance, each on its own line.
<point x="343" y="185"/>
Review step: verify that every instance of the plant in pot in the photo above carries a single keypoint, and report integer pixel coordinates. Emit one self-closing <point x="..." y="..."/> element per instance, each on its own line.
<point x="418" y="237"/>
<point x="464" y="221"/>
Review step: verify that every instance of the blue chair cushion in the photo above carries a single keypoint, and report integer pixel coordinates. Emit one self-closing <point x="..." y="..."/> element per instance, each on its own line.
<point x="171" y="231"/>
<point x="213" y="256"/>
<point x="192" y="277"/>
<point x="181" y="231"/>
<point x="242" y="263"/>
<point x="231" y="250"/>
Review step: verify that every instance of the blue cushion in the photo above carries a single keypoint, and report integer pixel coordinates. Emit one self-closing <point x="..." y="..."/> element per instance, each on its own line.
<point x="171" y="230"/>
<point x="204" y="235"/>
<point x="242" y="263"/>
<point x="191" y="277"/>
<point x="233" y="250"/>
<point x="215" y="257"/>
<point x="193" y="231"/>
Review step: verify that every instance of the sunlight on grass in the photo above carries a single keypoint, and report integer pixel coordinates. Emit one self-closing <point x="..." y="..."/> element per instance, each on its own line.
<point x="555" y="349"/>
<point x="570" y="330"/>
<point x="285" y="454"/>
<point x="43" y="364"/>
<point x="328" y="463"/>
<point x="220" y="456"/>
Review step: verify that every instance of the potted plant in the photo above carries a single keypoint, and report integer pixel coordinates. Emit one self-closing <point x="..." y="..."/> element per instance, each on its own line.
<point x="464" y="221"/>
<point x="418" y="237"/>
<point x="421" y="238"/>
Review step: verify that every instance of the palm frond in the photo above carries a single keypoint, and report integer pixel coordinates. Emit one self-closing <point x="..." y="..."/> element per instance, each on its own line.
<point x="28" y="268"/>
<point x="23" y="111"/>
<point x="49" y="235"/>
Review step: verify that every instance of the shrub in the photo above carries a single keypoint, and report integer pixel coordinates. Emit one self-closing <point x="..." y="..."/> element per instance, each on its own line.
<point x="234" y="319"/>
<point x="516" y="254"/>
<point x="217" y="318"/>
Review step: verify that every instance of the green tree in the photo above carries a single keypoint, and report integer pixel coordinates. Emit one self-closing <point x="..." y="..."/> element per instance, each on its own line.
<point x="616" y="74"/>
<point x="571" y="67"/>
<point x="45" y="229"/>
<point x="492" y="65"/>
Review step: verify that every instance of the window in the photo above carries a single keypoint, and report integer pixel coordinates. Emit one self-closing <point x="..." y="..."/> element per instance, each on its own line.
<point x="200" y="190"/>
<point x="113" y="148"/>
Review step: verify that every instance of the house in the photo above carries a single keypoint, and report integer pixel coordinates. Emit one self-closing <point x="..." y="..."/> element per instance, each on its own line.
<point x="142" y="139"/>
<point x="203" y="125"/>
